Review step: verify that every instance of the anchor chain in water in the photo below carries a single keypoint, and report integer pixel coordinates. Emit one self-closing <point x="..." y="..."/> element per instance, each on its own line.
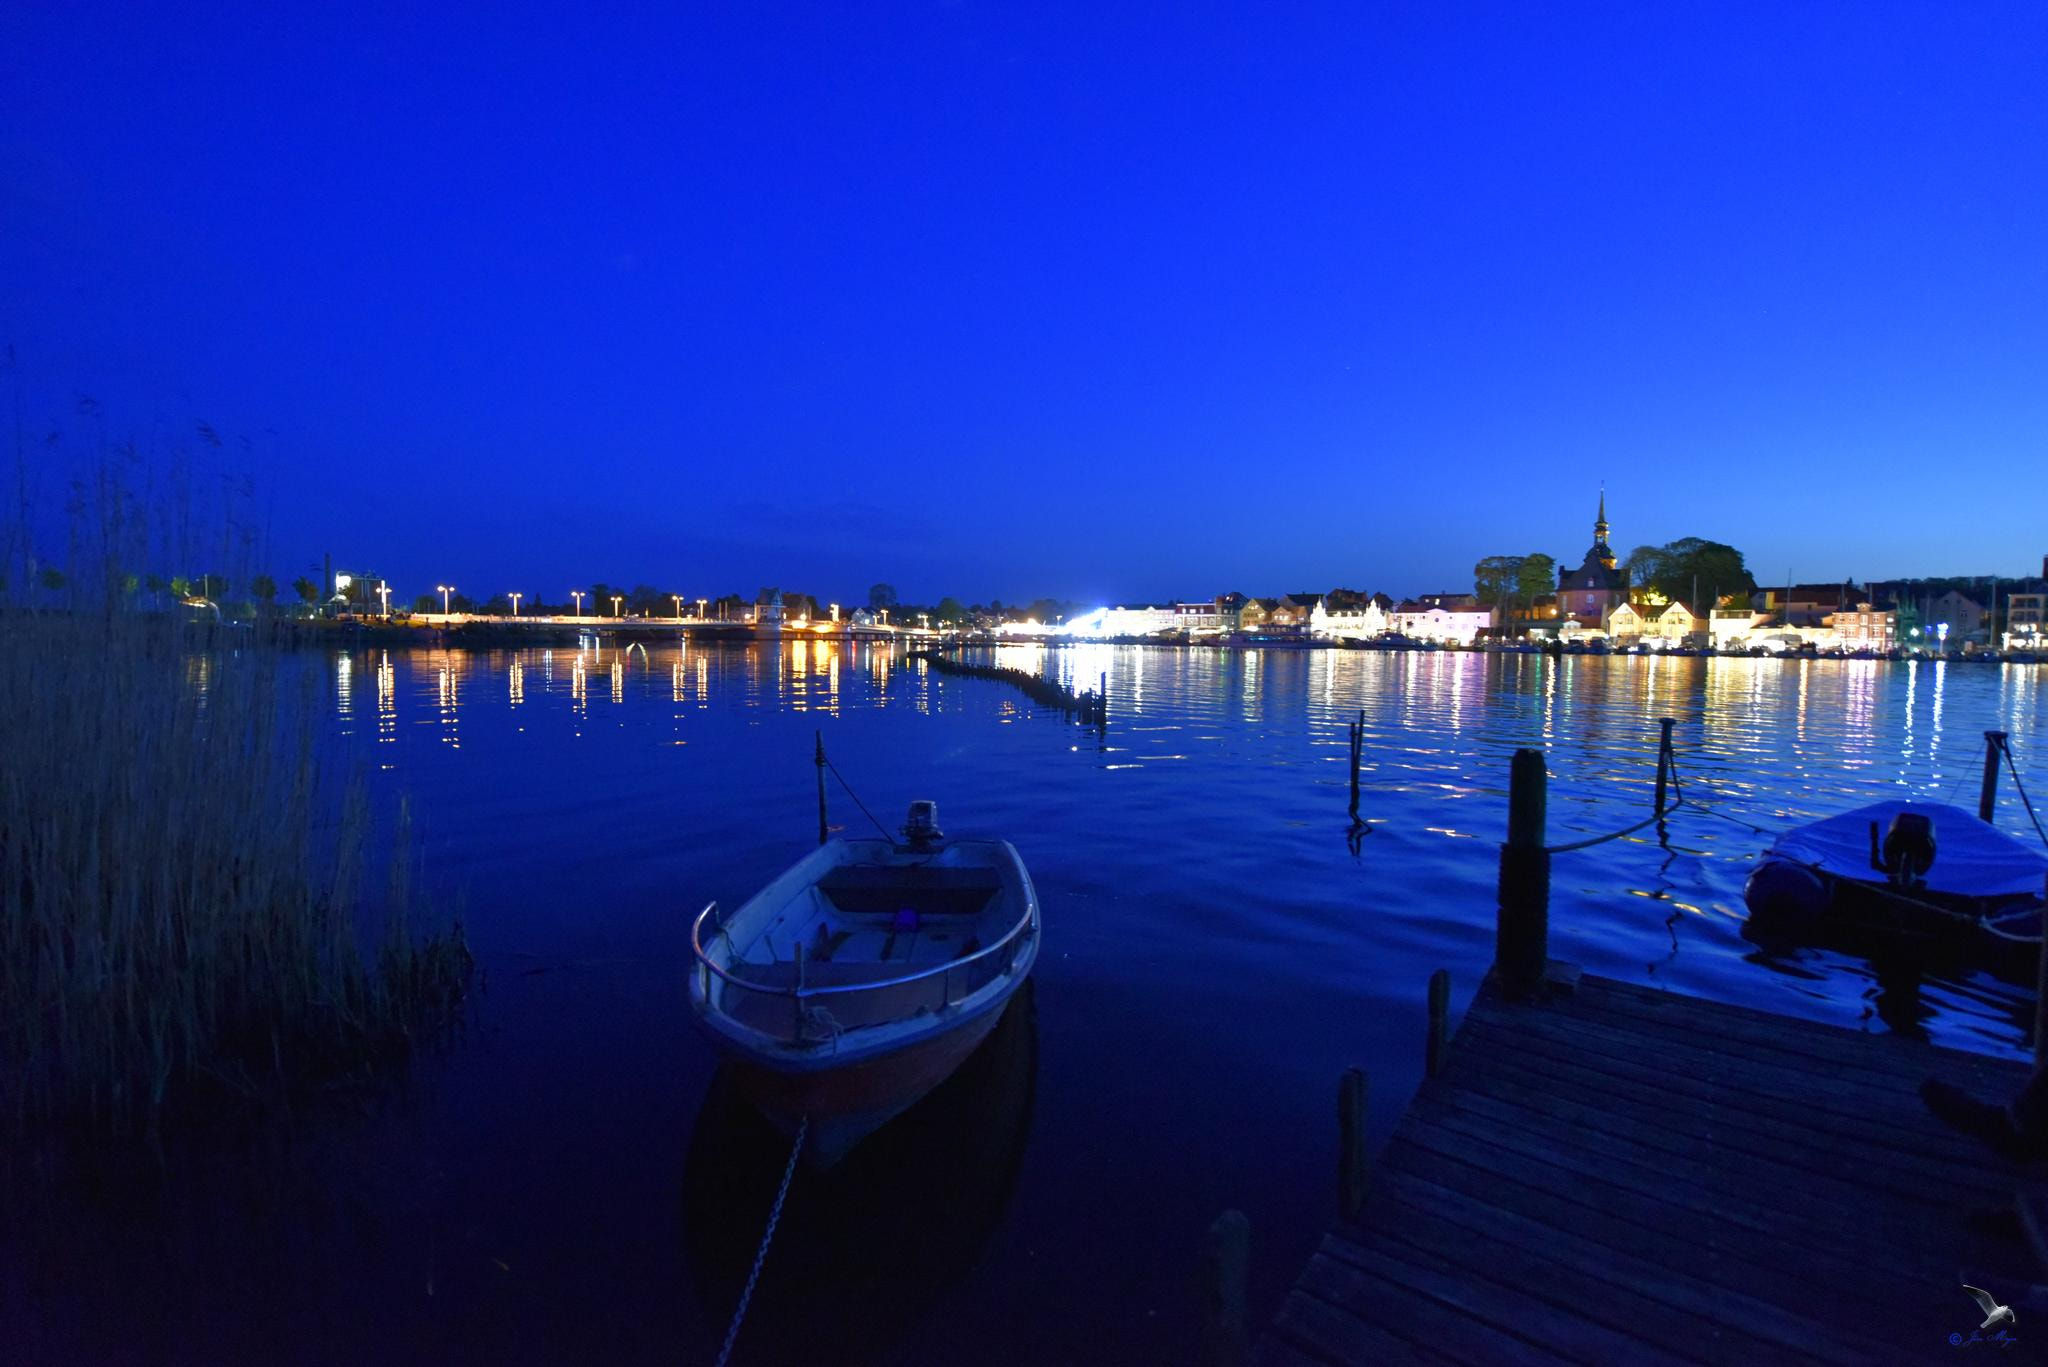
<point x="739" y="1312"/>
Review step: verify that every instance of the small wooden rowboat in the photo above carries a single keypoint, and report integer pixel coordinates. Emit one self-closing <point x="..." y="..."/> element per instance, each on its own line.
<point x="860" y="978"/>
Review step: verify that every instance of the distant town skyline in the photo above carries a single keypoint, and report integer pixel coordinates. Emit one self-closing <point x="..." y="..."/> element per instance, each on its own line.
<point x="1008" y="304"/>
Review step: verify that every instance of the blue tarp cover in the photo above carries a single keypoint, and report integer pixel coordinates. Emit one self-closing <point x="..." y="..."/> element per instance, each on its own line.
<point x="1971" y="859"/>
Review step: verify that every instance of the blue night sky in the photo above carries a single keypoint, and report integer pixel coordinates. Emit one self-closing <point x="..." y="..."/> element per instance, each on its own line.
<point x="1115" y="302"/>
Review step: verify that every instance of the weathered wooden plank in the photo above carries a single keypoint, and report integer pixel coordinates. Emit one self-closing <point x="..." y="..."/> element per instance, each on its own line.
<point x="1805" y="1136"/>
<point x="1668" y="1220"/>
<point x="1655" y="1234"/>
<point x="1748" y="1199"/>
<point x="1810" y="1041"/>
<point x="1689" y="1315"/>
<point x="1275" y="1350"/>
<point x="1625" y="1174"/>
<point x="1769" y="1170"/>
<point x="1342" y="1336"/>
<point x="1893" y="1112"/>
<point x="1494" y="1299"/>
<point x="1922" y="1140"/>
<point x="1420" y="1319"/>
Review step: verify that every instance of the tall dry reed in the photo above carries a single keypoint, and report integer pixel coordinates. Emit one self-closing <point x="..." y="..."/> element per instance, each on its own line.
<point x="183" y="895"/>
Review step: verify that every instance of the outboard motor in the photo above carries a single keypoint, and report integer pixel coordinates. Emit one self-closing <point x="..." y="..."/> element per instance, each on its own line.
<point x="921" y="828"/>
<point x="1907" y="852"/>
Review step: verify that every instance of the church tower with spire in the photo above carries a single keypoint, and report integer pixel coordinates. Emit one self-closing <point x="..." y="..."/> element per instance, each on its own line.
<point x="1597" y="585"/>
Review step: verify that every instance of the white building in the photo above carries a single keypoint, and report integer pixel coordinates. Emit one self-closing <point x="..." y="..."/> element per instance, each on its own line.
<point x="1450" y="626"/>
<point x="1350" y="623"/>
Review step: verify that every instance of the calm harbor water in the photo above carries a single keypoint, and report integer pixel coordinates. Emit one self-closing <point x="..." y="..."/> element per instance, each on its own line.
<point x="570" y="1180"/>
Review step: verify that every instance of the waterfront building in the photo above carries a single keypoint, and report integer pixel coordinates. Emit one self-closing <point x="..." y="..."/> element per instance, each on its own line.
<point x="1730" y="627"/>
<point x="1622" y="620"/>
<point x="2026" y="619"/>
<point x="1963" y="615"/>
<point x="1230" y="610"/>
<point x="1673" y="623"/>
<point x="1198" y="619"/>
<point x="768" y="611"/>
<point x="1355" y="620"/>
<point x="1291" y="612"/>
<point x="1864" y="627"/>
<point x="1450" y="626"/>
<point x="1587" y="592"/>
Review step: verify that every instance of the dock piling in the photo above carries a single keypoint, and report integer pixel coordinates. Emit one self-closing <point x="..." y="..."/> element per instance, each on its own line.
<point x="820" y="761"/>
<point x="1357" y="730"/>
<point x="1987" y="796"/>
<point x="1522" y="933"/>
<point x="1439" y="1021"/>
<point x="1353" y="1161"/>
<point x="1224" y="1260"/>
<point x="1664" y="757"/>
<point x="2041" y="997"/>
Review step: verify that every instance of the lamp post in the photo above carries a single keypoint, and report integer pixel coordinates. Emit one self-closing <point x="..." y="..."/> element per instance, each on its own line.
<point x="515" y="597"/>
<point x="384" y="593"/>
<point x="679" y="605"/>
<point x="615" y="605"/>
<point x="444" y="590"/>
<point x="700" y="608"/>
<point x="577" y="594"/>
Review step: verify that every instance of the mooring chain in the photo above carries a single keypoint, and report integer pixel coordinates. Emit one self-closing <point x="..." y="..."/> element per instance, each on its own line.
<point x="739" y="1312"/>
<point x="886" y="833"/>
<point x="2021" y="788"/>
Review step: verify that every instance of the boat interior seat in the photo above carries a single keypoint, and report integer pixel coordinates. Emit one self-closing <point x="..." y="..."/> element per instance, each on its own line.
<point x="864" y="890"/>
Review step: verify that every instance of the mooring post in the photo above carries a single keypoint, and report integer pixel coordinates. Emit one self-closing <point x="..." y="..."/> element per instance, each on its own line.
<point x="1664" y="760"/>
<point x="1102" y="700"/>
<point x="1987" y="796"/>
<point x="2041" y="997"/>
<point x="1224" y="1260"/>
<point x="1357" y="750"/>
<point x="1522" y="934"/>
<point x="1352" y="1161"/>
<point x="1439" y="1021"/>
<point x="821" y="788"/>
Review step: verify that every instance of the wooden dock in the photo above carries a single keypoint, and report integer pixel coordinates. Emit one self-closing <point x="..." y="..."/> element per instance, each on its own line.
<point x="1618" y="1174"/>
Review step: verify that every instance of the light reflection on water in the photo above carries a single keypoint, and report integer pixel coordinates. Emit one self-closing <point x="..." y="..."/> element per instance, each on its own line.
<point x="1216" y="952"/>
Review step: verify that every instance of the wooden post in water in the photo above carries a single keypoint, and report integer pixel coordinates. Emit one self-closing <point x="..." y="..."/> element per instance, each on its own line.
<point x="2041" y="996"/>
<point x="1664" y="760"/>
<point x="1224" y="1260"/>
<point x="1522" y="934"/>
<point x="822" y="828"/>
<point x="1987" y="796"/>
<point x="1357" y="749"/>
<point x="1353" y="1164"/>
<point x="1439" y="1021"/>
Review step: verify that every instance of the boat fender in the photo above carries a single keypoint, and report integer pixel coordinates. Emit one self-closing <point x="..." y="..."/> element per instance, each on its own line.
<point x="1789" y="896"/>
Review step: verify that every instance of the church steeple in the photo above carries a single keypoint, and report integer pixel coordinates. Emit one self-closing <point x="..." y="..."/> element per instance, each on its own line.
<point x="1601" y="550"/>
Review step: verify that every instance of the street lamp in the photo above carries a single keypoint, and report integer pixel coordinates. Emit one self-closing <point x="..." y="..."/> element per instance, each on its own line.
<point x="577" y="594"/>
<point x="515" y="597"/>
<point x="615" y="605"/>
<point x="384" y="593"/>
<point x="700" y="608"/>
<point x="679" y="605"/>
<point x="444" y="590"/>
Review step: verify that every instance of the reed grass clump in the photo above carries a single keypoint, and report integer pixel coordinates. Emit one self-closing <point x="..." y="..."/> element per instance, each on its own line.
<point x="188" y="910"/>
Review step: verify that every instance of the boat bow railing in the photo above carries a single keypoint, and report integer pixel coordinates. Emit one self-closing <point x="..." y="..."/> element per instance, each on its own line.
<point x="801" y="993"/>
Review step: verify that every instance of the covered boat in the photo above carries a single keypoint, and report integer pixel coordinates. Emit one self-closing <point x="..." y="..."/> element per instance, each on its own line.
<point x="1904" y="872"/>
<point x="860" y="978"/>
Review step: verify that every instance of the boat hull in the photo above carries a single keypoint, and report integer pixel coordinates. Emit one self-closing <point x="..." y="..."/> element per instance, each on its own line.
<point x="847" y="1104"/>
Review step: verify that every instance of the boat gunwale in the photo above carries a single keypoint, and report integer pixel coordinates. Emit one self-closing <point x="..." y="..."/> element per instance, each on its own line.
<point x="1024" y="924"/>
